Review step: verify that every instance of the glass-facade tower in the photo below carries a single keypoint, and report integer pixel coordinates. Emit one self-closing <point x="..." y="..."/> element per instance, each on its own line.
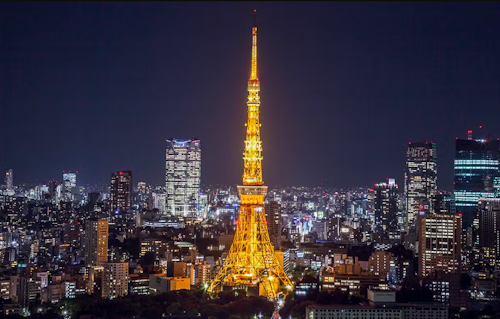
<point x="69" y="184"/>
<point x="420" y="180"/>
<point x="476" y="171"/>
<point x="183" y="174"/>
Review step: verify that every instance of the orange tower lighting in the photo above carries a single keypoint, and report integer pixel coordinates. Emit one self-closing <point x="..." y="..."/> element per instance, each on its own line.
<point x="251" y="261"/>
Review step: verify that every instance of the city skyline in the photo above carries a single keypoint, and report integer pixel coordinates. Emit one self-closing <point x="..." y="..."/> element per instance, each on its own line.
<point x="352" y="72"/>
<point x="350" y="93"/>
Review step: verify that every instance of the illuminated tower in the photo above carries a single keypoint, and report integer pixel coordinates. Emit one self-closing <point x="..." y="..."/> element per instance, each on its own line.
<point x="251" y="262"/>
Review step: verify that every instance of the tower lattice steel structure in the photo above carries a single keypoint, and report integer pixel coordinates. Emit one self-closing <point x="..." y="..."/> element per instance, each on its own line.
<point x="251" y="261"/>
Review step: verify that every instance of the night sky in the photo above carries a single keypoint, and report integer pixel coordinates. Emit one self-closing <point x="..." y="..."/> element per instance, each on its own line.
<point x="99" y="87"/>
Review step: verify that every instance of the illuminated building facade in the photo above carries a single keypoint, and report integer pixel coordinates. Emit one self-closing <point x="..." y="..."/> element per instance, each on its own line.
<point x="9" y="180"/>
<point x="420" y="180"/>
<point x="386" y="205"/>
<point x="476" y="169"/>
<point x="183" y="175"/>
<point x="439" y="240"/>
<point x="252" y="262"/>
<point x="69" y="185"/>
<point x="115" y="280"/>
<point x="489" y="229"/>
<point x="96" y="241"/>
<point x="121" y="191"/>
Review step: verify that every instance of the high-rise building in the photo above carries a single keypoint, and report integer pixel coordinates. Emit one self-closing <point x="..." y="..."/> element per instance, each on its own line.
<point x="476" y="170"/>
<point x="252" y="261"/>
<point x="121" y="190"/>
<point x="96" y="241"/>
<point x="273" y="217"/>
<point x="114" y="280"/>
<point x="141" y="187"/>
<point x="9" y="179"/>
<point x="489" y="229"/>
<point x="183" y="173"/>
<point x="420" y="180"/>
<point x="69" y="184"/>
<point x="386" y="205"/>
<point x="439" y="243"/>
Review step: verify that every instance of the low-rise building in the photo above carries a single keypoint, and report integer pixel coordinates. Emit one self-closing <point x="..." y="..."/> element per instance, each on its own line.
<point x="382" y="305"/>
<point x="160" y="283"/>
<point x="138" y="284"/>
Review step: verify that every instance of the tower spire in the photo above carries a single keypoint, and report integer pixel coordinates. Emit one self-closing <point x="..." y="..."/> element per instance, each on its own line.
<point x="253" y="71"/>
<point x="252" y="156"/>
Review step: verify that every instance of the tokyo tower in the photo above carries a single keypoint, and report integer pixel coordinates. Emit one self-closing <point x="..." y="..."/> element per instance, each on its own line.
<point x="251" y="261"/>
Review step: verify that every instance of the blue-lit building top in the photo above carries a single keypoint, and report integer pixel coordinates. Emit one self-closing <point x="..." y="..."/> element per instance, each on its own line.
<point x="476" y="174"/>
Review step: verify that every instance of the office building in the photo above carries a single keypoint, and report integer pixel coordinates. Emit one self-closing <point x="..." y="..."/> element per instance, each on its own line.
<point x="69" y="185"/>
<point x="383" y="263"/>
<point x="114" y="280"/>
<point x="420" y="180"/>
<point x="386" y="205"/>
<point x="273" y="218"/>
<point x="176" y="269"/>
<point x="9" y="180"/>
<point x="138" y="284"/>
<point x="489" y="230"/>
<point x="71" y="233"/>
<point x="445" y="287"/>
<point x="439" y="243"/>
<point x="183" y="174"/>
<point x="476" y="170"/>
<point x="204" y="273"/>
<point x="121" y="191"/>
<point x="96" y="241"/>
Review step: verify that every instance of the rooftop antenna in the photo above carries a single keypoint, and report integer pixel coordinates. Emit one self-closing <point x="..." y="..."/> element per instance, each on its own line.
<point x="255" y="18"/>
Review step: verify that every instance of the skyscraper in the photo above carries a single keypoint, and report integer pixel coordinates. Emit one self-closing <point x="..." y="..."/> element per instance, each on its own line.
<point x="476" y="170"/>
<point x="9" y="180"/>
<point x="96" y="241"/>
<point x="121" y="190"/>
<point x="420" y="180"/>
<point x="439" y="242"/>
<point x="489" y="229"/>
<point x="252" y="261"/>
<point x="273" y="217"/>
<point x="183" y="174"/>
<point x="386" y="205"/>
<point x="69" y="184"/>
